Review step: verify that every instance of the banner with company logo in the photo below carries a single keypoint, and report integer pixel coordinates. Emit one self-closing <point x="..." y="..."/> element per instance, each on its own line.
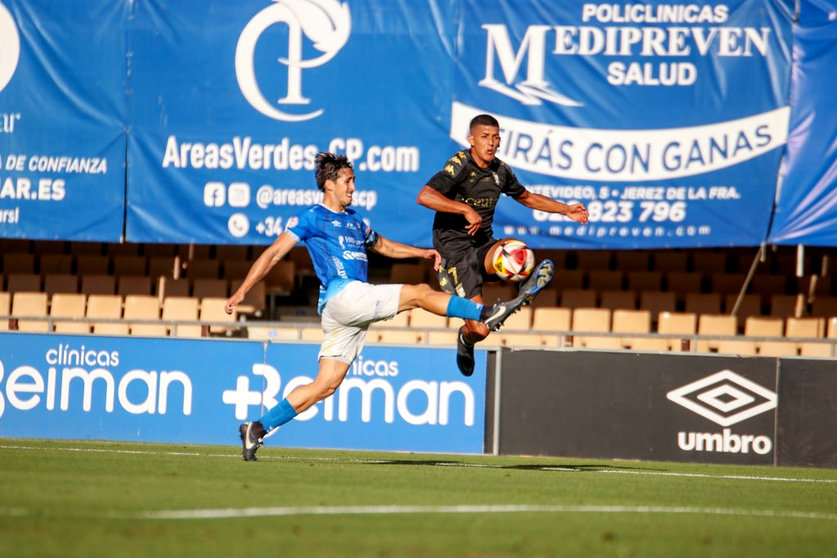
<point x="667" y="120"/>
<point x="196" y="391"/>
<point x="62" y="119"/>
<point x="694" y="408"/>
<point x="231" y="101"/>
<point x="806" y="205"/>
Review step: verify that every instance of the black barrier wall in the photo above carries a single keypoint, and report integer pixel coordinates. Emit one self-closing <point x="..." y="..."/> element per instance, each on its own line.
<point x="695" y="408"/>
<point x="806" y="433"/>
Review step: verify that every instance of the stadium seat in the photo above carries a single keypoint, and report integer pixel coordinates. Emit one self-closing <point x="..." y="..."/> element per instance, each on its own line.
<point x="30" y="304"/>
<point x="804" y="327"/>
<point x="18" y="263"/>
<point x="133" y="285"/>
<point x="683" y="282"/>
<point x="445" y="338"/>
<point x="88" y="264"/>
<point x="23" y="282"/>
<point x="824" y="306"/>
<point x="173" y="287"/>
<point x="203" y="268"/>
<point x="519" y="321"/>
<point x="130" y="265"/>
<point x="785" y="306"/>
<point x="5" y="308"/>
<point x="742" y="347"/>
<point x="235" y="269"/>
<point x="578" y="298"/>
<point x="212" y="310"/>
<point x="630" y="321"/>
<point x="677" y="323"/>
<point x="98" y="284"/>
<point x="593" y="259"/>
<point x="546" y="298"/>
<point x="727" y="283"/>
<point x="60" y="283"/>
<point x="406" y="273"/>
<point x="255" y="301"/>
<point x="69" y="305"/>
<point x="143" y="308"/>
<point x="396" y="336"/>
<point x="656" y="302"/>
<point x="667" y="261"/>
<point x="568" y="279"/>
<point x="164" y="266"/>
<point x="226" y="252"/>
<point x="592" y="320"/>
<point x="645" y="281"/>
<point x="712" y="325"/>
<point x="519" y="339"/>
<point x="778" y="348"/>
<point x="551" y="319"/>
<point x="618" y="299"/>
<point x="816" y="349"/>
<point x="423" y="319"/>
<point x="55" y="263"/>
<point x="703" y="303"/>
<point x="106" y="307"/>
<point x="633" y="260"/>
<point x="492" y="292"/>
<point x="708" y="262"/>
<point x="750" y="306"/>
<point x="210" y="288"/>
<point x="605" y="280"/>
<point x="180" y="308"/>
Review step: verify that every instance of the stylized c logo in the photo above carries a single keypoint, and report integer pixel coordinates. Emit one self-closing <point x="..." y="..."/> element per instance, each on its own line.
<point x="9" y="46"/>
<point x="325" y="22"/>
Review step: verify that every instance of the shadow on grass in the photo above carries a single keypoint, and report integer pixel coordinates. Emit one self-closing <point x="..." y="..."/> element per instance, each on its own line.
<point x="559" y="467"/>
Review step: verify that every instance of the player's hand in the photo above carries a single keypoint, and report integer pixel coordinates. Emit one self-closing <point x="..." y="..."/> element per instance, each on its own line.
<point x="232" y="302"/>
<point x="578" y="213"/>
<point x="435" y="256"/>
<point x="474" y="221"/>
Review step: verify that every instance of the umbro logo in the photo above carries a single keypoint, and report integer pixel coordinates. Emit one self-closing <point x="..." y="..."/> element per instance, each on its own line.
<point x="725" y="398"/>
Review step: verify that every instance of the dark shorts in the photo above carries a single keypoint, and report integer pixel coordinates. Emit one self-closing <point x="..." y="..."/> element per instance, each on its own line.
<point x="462" y="272"/>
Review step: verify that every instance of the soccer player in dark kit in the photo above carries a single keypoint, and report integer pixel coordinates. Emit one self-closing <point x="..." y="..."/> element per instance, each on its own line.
<point x="464" y="195"/>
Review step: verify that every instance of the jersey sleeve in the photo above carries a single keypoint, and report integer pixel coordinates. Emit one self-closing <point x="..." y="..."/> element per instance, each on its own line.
<point x="445" y="180"/>
<point x="511" y="187"/>
<point x="301" y="226"/>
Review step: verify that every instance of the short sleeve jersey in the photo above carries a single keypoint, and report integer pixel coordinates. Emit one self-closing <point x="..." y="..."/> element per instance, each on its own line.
<point x="464" y="181"/>
<point x="337" y="243"/>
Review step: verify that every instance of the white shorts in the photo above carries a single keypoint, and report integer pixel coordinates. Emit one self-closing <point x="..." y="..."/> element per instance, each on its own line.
<point x="347" y="315"/>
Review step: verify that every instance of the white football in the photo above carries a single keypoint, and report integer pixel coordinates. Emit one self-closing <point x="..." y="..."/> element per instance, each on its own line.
<point x="513" y="260"/>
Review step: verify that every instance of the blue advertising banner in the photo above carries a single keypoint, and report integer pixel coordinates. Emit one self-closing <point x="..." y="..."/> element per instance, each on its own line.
<point x="667" y="120"/>
<point x="806" y="206"/>
<point x="62" y="118"/>
<point x="231" y="101"/>
<point x="195" y="391"/>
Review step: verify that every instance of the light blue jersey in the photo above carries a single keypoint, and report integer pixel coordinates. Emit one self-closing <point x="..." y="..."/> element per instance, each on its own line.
<point x="337" y="243"/>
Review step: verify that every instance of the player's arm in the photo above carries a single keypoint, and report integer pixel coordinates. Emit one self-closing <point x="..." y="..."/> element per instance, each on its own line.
<point x="435" y="200"/>
<point x="392" y="249"/>
<point x="275" y="252"/>
<point x="576" y="211"/>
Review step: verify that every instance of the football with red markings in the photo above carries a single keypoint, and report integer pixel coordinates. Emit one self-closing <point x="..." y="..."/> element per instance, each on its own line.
<point x="513" y="260"/>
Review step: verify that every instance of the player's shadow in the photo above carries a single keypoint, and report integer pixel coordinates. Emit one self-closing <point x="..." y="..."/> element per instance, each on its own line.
<point x="557" y="467"/>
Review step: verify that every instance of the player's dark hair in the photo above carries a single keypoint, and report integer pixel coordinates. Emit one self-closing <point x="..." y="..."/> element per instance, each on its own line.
<point x="328" y="166"/>
<point x="483" y="120"/>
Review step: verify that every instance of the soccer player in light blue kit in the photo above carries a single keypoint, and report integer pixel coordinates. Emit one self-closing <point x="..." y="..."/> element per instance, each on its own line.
<point x="337" y="240"/>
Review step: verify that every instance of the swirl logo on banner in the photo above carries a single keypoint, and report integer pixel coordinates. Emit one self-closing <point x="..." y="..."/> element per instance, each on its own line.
<point x="326" y="23"/>
<point x="9" y="47"/>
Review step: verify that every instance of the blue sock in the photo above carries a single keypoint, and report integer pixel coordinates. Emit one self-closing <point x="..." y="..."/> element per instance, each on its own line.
<point x="459" y="307"/>
<point x="278" y="415"/>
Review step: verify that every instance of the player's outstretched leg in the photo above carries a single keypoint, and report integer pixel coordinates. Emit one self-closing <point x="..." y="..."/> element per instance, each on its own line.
<point x="528" y="291"/>
<point x="252" y="434"/>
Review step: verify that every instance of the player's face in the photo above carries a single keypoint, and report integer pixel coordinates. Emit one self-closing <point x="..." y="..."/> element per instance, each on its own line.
<point x="484" y="140"/>
<point x="344" y="186"/>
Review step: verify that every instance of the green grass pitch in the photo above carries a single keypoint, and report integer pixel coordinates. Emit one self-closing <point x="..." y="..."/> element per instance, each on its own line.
<point x="91" y="499"/>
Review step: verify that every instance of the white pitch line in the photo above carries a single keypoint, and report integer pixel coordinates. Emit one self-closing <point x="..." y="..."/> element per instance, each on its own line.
<point x="545" y="467"/>
<point x="231" y="513"/>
